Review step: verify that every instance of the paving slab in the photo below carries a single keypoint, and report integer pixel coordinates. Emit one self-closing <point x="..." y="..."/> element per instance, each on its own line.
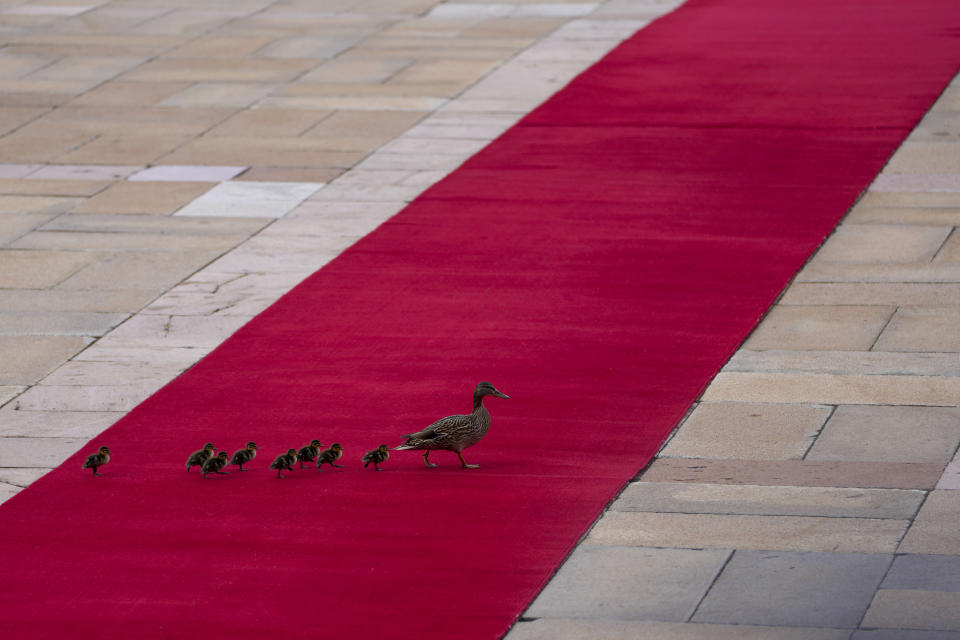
<point x="60" y="323"/>
<point x="904" y="634"/>
<point x="156" y="223"/>
<point x="251" y="199"/>
<point x="747" y="431"/>
<point x="892" y="293"/>
<point x="38" y="452"/>
<point x="890" y="434"/>
<point x="947" y="216"/>
<point x="578" y="629"/>
<point x="914" y="272"/>
<point x="922" y="329"/>
<point x="833" y="328"/>
<point x="144" y="197"/>
<point x="25" y="359"/>
<point x="863" y="362"/>
<point x="629" y="583"/>
<point x="147" y="272"/>
<point x="935" y="528"/>
<point x="54" y="424"/>
<point x="793" y="388"/>
<point x="39" y="269"/>
<point x="86" y="241"/>
<point x="914" y="609"/>
<point x="45" y="187"/>
<point x="951" y="476"/>
<point x="794" y="589"/>
<point x="683" y="497"/>
<point x="803" y="473"/>
<point x="868" y="243"/>
<point x="108" y="300"/>
<point x="714" y="531"/>
<point x="186" y="173"/>
<point x="923" y="572"/>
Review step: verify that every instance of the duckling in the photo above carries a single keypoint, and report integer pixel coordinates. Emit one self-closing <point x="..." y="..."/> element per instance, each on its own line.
<point x="330" y="456"/>
<point x="245" y="455"/>
<point x="215" y="465"/>
<point x="455" y="433"/>
<point x="376" y="456"/>
<point x="96" y="460"/>
<point x="309" y="453"/>
<point x="284" y="461"/>
<point x="197" y="458"/>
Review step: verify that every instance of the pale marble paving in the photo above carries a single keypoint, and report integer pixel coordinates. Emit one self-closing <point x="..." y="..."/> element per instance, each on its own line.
<point x="250" y="199"/>
<point x="83" y="172"/>
<point x="186" y="173"/>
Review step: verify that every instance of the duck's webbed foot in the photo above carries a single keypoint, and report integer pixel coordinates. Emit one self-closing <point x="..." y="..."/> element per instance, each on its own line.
<point x="426" y="459"/>
<point x="464" y="462"/>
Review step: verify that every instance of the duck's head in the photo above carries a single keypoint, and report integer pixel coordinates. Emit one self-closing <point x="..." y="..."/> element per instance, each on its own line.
<point x="223" y="455"/>
<point x="105" y="450"/>
<point x="487" y="389"/>
<point x="336" y="447"/>
<point x="292" y="452"/>
<point x="315" y="443"/>
<point x="252" y="446"/>
<point x="209" y="447"/>
<point x="383" y="448"/>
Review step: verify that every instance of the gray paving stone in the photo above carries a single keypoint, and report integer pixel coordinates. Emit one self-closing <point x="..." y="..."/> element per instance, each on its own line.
<point x="629" y="583"/>
<point x="58" y="299"/>
<point x="38" y="452"/>
<point x="26" y="359"/>
<point x="39" y="269"/>
<point x="59" y="323"/>
<point x="579" y="629"/>
<point x="904" y="634"/>
<point x="892" y="434"/>
<point x="8" y="391"/>
<point x="935" y="529"/>
<point x="54" y="424"/>
<point x="21" y="476"/>
<point x="863" y="362"/>
<point x="685" y="497"/>
<point x="794" y="589"/>
<point x="922" y="329"/>
<point x="882" y="293"/>
<point x="882" y="243"/>
<point x="925" y="572"/>
<point x="913" y="609"/>
<point x="836" y="327"/>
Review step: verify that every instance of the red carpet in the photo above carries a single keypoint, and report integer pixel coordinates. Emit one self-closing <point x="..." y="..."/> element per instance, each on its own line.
<point x="598" y="263"/>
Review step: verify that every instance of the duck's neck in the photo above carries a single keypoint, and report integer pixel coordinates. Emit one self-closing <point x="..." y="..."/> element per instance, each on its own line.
<point x="478" y="403"/>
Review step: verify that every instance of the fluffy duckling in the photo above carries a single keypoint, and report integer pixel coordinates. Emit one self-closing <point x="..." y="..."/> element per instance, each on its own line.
<point x="376" y="456"/>
<point x="245" y="455"/>
<point x="97" y="460"/>
<point x="197" y="458"/>
<point x="284" y="461"/>
<point x="215" y="465"/>
<point x="309" y="453"/>
<point x="330" y="456"/>
<point x="455" y="433"/>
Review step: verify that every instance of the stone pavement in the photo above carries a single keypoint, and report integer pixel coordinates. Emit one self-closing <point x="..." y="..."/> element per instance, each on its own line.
<point x="169" y="169"/>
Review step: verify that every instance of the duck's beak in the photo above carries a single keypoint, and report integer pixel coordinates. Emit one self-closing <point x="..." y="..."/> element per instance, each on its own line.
<point x="500" y="395"/>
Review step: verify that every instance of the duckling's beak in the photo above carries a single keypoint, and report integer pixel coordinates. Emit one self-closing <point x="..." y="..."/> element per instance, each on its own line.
<point x="500" y="395"/>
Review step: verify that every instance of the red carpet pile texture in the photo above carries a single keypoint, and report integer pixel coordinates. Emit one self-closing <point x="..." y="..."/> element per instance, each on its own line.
<point x="598" y="263"/>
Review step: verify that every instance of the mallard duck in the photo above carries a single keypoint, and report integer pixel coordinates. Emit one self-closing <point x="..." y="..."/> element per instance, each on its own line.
<point x="215" y="465"/>
<point x="376" y="456"/>
<point x="197" y="458"/>
<point x="455" y="433"/>
<point x="330" y="456"/>
<point x="309" y="453"/>
<point x="97" y="460"/>
<point x="284" y="461"/>
<point x="244" y="456"/>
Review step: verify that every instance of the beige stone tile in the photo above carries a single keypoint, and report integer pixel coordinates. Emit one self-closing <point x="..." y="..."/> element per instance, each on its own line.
<point x="94" y="69"/>
<point x="951" y="248"/>
<point x="175" y="331"/>
<point x="109" y="241"/>
<point x="26" y="359"/>
<point x="270" y="123"/>
<point x="91" y="44"/>
<point x="383" y="125"/>
<point x="839" y="328"/>
<point x="153" y="120"/>
<point x="863" y="293"/>
<point x="157" y="223"/>
<point x="37" y="204"/>
<point x="711" y="531"/>
<point x="144" y="197"/>
<point x="290" y="174"/>
<point x="910" y="199"/>
<point x="912" y="609"/>
<point x="869" y="362"/>
<point x="278" y="152"/>
<point x="220" y="46"/>
<point x="38" y="452"/>
<point x="458" y="72"/>
<point x="13" y="117"/>
<point x="866" y="243"/>
<point x="41" y="187"/>
<point x="371" y="92"/>
<point x="935" y="528"/>
<point x="128" y="94"/>
<point x="186" y="20"/>
<point x="126" y="149"/>
<point x="220" y="94"/>
<point x="925" y="157"/>
<point x="806" y="473"/>
<point x="59" y="299"/>
<point x="19" y="65"/>
<point x="943" y="216"/>
<point x="738" y="499"/>
<point x="27" y="146"/>
<point x="890" y="434"/>
<point x="925" y="329"/>
<point x="86" y="398"/>
<point x="39" y="269"/>
<point x="13" y="225"/>
<point x="140" y="271"/>
<point x="523" y="27"/>
<point x="318" y="47"/>
<point x="60" y="323"/>
<point x="34" y="99"/>
<point x="747" y="431"/>
<point x="599" y="629"/>
<point x="8" y="392"/>
<point x="353" y="103"/>
<point x="341" y="70"/>
<point x="220" y="70"/>
<point x="103" y="374"/>
<point x="833" y="389"/>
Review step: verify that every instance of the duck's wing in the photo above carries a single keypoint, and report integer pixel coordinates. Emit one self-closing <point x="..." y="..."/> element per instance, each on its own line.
<point x="440" y="427"/>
